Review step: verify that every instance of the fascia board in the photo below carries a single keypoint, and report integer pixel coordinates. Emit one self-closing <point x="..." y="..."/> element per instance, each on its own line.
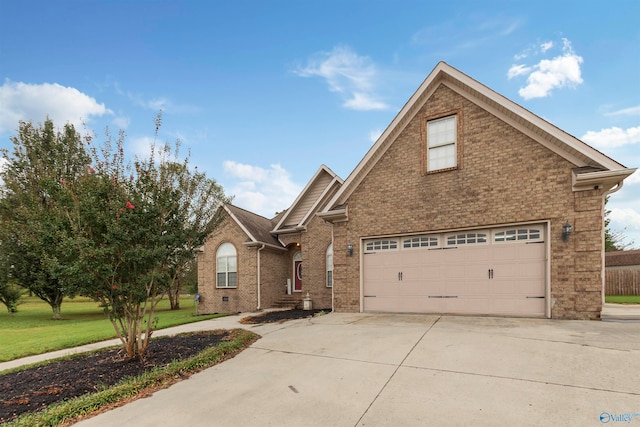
<point x="244" y="229"/>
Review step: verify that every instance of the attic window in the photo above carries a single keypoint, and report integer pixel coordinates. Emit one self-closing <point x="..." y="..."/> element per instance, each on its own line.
<point x="441" y="143"/>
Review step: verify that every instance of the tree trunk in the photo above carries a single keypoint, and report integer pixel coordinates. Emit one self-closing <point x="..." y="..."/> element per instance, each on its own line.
<point x="55" y="307"/>
<point x="174" y="296"/>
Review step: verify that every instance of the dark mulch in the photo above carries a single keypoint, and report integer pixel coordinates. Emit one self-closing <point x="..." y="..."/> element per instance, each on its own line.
<point x="281" y="316"/>
<point x="34" y="389"/>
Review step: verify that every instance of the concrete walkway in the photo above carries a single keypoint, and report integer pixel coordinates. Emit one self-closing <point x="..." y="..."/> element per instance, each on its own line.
<point x="408" y="370"/>
<point x="620" y="312"/>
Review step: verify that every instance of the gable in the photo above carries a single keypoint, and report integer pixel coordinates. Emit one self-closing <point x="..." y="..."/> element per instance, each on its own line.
<point x="313" y="198"/>
<point x="593" y="169"/>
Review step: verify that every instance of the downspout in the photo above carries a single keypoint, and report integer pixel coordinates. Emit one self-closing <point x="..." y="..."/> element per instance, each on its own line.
<point x="604" y="258"/>
<point x="259" y="284"/>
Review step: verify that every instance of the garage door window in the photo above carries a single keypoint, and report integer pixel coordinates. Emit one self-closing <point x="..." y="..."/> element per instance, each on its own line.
<point x="420" y="242"/>
<point x="381" y="245"/>
<point x="517" y="235"/>
<point x="466" y="239"/>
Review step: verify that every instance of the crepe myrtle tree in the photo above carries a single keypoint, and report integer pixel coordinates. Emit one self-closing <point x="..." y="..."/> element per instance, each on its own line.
<point x="32" y="221"/>
<point x="133" y="226"/>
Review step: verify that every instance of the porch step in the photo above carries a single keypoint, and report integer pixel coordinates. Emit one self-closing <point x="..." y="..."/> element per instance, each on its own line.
<point x="287" y="301"/>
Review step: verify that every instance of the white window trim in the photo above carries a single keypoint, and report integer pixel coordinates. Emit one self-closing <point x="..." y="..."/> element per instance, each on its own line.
<point x="226" y="272"/>
<point x="430" y="238"/>
<point x="527" y="235"/>
<point x="388" y="242"/>
<point x="454" y="143"/>
<point x="486" y="235"/>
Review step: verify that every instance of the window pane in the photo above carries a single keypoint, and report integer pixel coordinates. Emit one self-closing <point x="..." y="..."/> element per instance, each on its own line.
<point x="231" y="264"/>
<point x="442" y="157"/>
<point x="232" y="280"/>
<point x="329" y="278"/>
<point x="222" y="280"/>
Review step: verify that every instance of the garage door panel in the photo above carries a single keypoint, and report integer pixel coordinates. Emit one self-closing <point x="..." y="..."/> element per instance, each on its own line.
<point x="505" y="277"/>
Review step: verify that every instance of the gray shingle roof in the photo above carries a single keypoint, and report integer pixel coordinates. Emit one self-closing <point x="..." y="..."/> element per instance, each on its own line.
<point x="622" y="258"/>
<point x="258" y="226"/>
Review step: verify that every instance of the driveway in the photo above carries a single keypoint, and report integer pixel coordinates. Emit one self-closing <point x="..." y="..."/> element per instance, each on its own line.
<point x="410" y="370"/>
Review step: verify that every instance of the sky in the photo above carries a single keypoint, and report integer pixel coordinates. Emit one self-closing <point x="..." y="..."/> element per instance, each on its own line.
<point x="261" y="93"/>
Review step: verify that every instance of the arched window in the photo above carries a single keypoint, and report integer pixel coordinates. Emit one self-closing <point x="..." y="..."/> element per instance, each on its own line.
<point x="226" y="266"/>
<point x="330" y="266"/>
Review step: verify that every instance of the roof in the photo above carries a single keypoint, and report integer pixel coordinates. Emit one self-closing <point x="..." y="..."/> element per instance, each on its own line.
<point x="593" y="168"/>
<point x="622" y="258"/>
<point x="256" y="227"/>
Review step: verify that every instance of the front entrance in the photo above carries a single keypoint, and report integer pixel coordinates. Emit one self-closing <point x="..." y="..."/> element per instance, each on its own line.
<point x="297" y="272"/>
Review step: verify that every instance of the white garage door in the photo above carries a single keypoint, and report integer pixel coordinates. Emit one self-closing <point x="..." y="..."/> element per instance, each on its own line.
<point x="498" y="271"/>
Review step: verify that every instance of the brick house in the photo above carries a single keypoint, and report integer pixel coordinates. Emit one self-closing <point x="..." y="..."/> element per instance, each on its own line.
<point x="467" y="203"/>
<point x="248" y="249"/>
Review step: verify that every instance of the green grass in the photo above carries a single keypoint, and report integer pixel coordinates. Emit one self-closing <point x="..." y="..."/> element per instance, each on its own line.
<point x="73" y="410"/>
<point x="31" y="331"/>
<point x="623" y="299"/>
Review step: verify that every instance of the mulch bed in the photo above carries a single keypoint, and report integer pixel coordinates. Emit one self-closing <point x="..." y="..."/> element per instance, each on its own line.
<point x="34" y="389"/>
<point x="281" y="316"/>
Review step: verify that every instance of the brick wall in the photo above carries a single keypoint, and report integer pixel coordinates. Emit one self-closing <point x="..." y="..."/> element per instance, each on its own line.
<point x="503" y="177"/>
<point x="244" y="297"/>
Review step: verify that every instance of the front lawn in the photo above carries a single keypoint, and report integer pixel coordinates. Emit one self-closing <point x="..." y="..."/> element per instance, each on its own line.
<point x="623" y="299"/>
<point x="31" y="331"/>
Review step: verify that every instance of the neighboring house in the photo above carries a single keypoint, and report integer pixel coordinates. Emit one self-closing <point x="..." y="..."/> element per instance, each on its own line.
<point x="467" y="203"/>
<point x="622" y="272"/>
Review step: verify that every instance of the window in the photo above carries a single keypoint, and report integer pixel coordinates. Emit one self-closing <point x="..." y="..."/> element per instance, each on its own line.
<point x="466" y="239"/>
<point x="441" y="143"/>
<point x="330" y="266"/>
<point x="518" y="234"/>
<point x="381" y="245"/>
<point x="420" y="242"/>
<point x="226" y="266"/>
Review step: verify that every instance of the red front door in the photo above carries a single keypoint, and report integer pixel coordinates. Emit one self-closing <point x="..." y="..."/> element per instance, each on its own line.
<point x="297" y="273"/>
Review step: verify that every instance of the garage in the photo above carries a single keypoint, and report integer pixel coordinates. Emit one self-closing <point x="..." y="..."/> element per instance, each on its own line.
<point x="497" y="271"/>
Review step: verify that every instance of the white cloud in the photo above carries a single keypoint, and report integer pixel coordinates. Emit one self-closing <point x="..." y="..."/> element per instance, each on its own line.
<point x="518" y="70"/>
<point x="546" y="46"/>
<point x="548" y="74"/>
<point x="347" y="73"/>
<point x="612" y="137"/>
<point x="629" y="219"/>
<point x="36" y="102"/>
<point x="260" y="190"/>
<point x="631" y="111"/>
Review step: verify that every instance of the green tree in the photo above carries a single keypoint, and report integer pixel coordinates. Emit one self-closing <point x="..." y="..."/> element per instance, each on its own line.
<point x="32" y="222"/>
<point x="135" y="226"/>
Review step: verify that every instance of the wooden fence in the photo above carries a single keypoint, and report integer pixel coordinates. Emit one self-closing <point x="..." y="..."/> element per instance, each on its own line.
<point x="622" y="282"/>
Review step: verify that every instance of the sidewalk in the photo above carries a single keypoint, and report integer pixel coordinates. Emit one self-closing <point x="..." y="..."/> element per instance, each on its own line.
<point x="227" y="322"/>
<point x="620" y="312"/>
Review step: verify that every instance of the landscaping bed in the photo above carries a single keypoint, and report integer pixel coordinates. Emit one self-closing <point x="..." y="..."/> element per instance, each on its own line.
<point x="36" y="388"/>
<point x="282" y="316"/>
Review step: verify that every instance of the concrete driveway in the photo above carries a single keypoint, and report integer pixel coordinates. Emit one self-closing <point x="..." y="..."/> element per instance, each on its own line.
<point x="410" y="370"/>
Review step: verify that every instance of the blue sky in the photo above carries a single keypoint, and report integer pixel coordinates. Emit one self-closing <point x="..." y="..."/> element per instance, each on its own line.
<point x="264" y="92"/>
